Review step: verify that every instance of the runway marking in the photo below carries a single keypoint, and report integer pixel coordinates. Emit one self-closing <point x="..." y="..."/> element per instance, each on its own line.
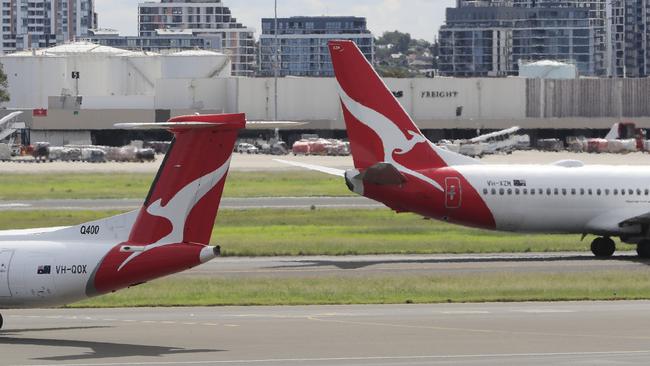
<point x="14" y="205"/>
<point x="470" y="330"/>
<point x="131" y="321"/>
<point x="543" y="311"/>
<point x="467" y="312"/>
<point x="371" y="358"/>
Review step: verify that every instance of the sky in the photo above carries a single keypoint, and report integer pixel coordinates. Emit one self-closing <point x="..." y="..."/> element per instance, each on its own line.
<point x="420" y="18"/>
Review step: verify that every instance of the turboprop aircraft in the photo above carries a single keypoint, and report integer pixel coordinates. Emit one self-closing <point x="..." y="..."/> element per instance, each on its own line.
<point x="396" y="165"/>
<point x="168" y="234"/>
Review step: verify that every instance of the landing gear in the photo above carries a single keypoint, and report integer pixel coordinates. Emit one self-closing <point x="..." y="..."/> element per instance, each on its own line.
<point x="1" y="321"/>
<point x="603" y="247"/>
<point x="643" y="249"/>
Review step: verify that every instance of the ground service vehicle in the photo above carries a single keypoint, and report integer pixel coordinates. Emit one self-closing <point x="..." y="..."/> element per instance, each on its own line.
<point x="168" y="234"/>
<point x="396" y="165"/>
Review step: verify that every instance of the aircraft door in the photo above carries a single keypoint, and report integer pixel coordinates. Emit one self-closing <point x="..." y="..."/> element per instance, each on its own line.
<point x="5" y="260"/>
<point x="453" y="192"/>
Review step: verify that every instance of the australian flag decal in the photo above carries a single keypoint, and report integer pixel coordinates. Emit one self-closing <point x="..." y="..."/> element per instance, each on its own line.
<point x="519" y="183"/>
<point x="44" y="270"/>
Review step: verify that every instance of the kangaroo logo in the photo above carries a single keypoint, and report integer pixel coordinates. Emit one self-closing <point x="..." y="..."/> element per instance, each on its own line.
<point x="392" y="138"/>
<point x="179" y="207"/>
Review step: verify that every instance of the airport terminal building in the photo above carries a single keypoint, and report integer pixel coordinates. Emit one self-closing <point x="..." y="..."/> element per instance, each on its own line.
<point x="76" y="92"/>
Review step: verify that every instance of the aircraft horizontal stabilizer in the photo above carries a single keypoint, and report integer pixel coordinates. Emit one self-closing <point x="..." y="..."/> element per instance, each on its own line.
<point x="163" y="125"/>
<point x="318" y="168"/>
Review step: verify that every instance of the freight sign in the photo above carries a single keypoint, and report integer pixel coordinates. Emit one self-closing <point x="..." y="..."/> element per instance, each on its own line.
<point x="439" y="94"/>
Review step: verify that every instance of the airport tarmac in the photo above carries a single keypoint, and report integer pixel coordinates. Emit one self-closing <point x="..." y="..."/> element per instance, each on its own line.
<point x="575" y="333"/>
<point x="244" y="162"/>
<point x="401" y="265"/>
<point x="227" y="203"/>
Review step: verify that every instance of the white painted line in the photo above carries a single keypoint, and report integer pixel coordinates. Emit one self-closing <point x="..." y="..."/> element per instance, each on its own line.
<point x="14" y="205"/>
<point x="543" y="311"/>
<point x="348" y="359"/>
<point x="467" y="312"/>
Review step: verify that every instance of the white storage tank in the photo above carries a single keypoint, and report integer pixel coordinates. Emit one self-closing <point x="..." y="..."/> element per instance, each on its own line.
<point x="547" y="69"/>
<point x="195" y="64"/>
<point x="79" y="68"/>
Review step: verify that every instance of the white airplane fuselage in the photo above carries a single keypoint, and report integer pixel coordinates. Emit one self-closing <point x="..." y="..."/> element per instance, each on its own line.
<point x="47" y="273"/>
<point x="557" y="199"/>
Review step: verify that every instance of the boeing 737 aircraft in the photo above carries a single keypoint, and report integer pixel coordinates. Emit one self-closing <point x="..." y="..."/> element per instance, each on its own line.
<point x="169" y="234"/>
<point x="396" y="165"/>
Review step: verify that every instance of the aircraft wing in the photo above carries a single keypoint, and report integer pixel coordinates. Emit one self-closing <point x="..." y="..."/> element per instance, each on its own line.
<point x="637" y="220"/>
<point x="616" y="221"/>
<point x="318" y="168"/>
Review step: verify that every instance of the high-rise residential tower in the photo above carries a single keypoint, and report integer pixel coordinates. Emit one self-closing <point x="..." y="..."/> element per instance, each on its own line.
<point x="202" y="17"/>
<point x="491" y="37"/>
<point x="28" y="24"/>
<point x="302" y="43"/>
<point x="630" y="39"/>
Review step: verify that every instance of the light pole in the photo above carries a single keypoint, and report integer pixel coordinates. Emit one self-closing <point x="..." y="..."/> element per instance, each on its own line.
<point x="276" y="65"/>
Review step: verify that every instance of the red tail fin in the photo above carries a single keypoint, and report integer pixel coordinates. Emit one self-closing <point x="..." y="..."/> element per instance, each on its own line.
<point x="379" y="128"/>
<point x="184" y="198"/>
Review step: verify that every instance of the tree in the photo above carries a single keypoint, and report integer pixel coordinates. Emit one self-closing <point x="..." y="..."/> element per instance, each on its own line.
<point x="4" y="86"/>
<point x="400" y="41"/>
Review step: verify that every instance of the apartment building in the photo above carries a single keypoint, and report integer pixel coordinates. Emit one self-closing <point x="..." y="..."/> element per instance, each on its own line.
<point x="302" y="44"/>
<point x="29" y="24"/>
<point x="202" y="18"/>
<point x="490" y="37"/>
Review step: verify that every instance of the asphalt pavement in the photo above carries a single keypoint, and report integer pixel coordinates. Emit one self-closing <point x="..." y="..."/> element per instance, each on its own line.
<point x="400" y="265"/>
<point x="580" y="333"/>
<point x="228" y="203"/>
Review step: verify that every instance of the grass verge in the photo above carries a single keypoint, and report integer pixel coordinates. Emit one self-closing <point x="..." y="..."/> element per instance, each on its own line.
<point x="268" y="232"/>
<point x="616" y="285"/>
<point x="119" y="185"/>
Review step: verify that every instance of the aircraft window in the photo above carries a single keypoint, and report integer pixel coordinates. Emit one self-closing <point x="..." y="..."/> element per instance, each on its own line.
<point x="564" y="191"/>
<point x="525" y="191"/>
<point x="573" y="191"/>
<point x="548" y="191"/>
<point x="532" y="192"/>
<point x="494" y="191"/>
<point x="599" y="192"/>
<point x="556" y="191"/>
<point x="622" y="192"/>
<point x="616" y="192"/>
<point x="509" y="191"/>
<point x="607" y="192"/>
<point x="485" y="191"/>
<point x="517" y="191"/>
<point x="502" y="191"/>
<point x="541" y="191"/>
<point x="647" y="191"/>
<point x="630" y="191"/>
<point x="638" y="192"/>
<point x="582" y="191"/>
<point x="590" y="191"/>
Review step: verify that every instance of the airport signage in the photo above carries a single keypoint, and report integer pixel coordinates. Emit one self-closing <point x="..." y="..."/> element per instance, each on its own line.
<point x="439" y="94"/>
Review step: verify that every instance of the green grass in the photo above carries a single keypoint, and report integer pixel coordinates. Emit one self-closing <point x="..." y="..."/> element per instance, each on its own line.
<point x="613" y="285"/>
<point x="266" y="232"/>
<point x="120" y="185"/>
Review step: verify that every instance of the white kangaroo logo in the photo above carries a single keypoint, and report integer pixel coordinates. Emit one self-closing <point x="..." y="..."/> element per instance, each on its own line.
<point x="392" y="138"/>
<point x="179" y="207"/>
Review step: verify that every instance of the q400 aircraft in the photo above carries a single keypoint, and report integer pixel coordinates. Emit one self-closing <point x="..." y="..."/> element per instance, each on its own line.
<point x="168" y="234"/>
<point x="396" y="165"/>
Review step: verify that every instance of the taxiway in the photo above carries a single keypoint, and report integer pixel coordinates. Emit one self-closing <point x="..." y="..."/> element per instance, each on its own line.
<point x="582" y="333"/>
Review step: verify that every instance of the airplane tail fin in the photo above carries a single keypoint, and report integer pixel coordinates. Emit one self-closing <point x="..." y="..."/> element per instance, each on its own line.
<point x="184" y="198"/>
<point x="379" y="129"/>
